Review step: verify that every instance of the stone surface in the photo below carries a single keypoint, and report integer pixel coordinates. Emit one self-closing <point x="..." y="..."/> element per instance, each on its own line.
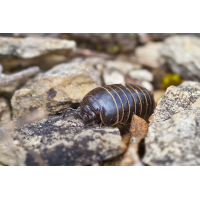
<point x="182" y="54"/>
<point x="115" y="71"/>
<point x="8" y="90"/>
<point x="149" y="54"/>
<point x="23" y="52"/>
<point x="147" y="85"/>
<point x="174" y="132"/>
<point x="122" y="66"/>
<point x="10" y="153"/>
<point x="58" y="88"/>
<point x="113" y="76"/>
<point x="141" y="74"/>
<point x="54" y="141"/>
<point x="5" y="113"/>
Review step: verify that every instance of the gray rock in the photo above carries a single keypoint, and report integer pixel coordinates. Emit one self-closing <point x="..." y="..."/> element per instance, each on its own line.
<point x="45" y="52"/>
<point x="122" y="66"/>
<point x="54" y="141"/>
<point x="113" y="76"/>
<point x="141" y="74"/>
<point x="174" y="132"/>
<point x="182" y="54"/>
<point x="147" y="85"/>
<point x="115" y="71"/>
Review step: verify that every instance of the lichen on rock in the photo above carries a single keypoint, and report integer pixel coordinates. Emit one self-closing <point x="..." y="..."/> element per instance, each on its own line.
<point x="174" y="133"/>
<point x="54" y="141"/>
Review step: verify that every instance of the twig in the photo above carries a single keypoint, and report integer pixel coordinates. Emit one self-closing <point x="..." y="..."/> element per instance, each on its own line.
<point x="6" y="79"/>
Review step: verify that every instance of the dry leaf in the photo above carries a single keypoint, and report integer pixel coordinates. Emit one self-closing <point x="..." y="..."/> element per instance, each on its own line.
<point x="138" y="129"/>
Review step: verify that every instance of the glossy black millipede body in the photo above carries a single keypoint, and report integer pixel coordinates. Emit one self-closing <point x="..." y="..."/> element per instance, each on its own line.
<point x="113" y="104"/>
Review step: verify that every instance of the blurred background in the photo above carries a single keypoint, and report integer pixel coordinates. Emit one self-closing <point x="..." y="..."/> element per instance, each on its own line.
<point x="152" y="60"/>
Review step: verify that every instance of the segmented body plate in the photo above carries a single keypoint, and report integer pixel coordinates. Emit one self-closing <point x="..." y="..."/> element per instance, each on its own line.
<point x="118" y="103"/>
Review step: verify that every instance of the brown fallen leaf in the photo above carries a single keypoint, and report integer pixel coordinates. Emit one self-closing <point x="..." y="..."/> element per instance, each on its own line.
<point x="138" y="130"/>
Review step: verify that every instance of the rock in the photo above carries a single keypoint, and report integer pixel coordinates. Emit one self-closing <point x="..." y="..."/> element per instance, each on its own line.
<point x="182" y="55"/>
<point x="174" y="132"/>
<point x="115" y="71"/>
<point x="57" y="89"/>
<point x="8" y="90"/>
<point x="113" y="76"/>
<point x="23" y="52"/>
<point x="122" y="66"/>
<point x="5" y="114"/>
<point x="149" y="54"/>
<point x="147" y="85"/>
<point x="10" y="153"/>
<point x="54" y="141"/>
<point x="141" y="74"/>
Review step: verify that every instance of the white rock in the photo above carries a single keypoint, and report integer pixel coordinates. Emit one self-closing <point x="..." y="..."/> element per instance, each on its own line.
<point x="150" y="55"/>
<point x="111" y="76"/>
<point x="147" y="85"/>
<point x="183" y="55"/>
<point x="122" y="66"/>
<point x="30" y="51"/>
<point x="142" y="75"/>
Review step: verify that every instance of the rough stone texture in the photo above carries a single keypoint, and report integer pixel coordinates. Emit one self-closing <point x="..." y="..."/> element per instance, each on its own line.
<point x="176" y="99"/>
<point x="8" y="90"/>
<point x="23" y="52"/>
<point x="58" y="88"/>
<point x="150" y="55"/>
<point x="174" y="132"/>
<point x="182" y="54"/>
<point x="5" y="113"/>
<point x="54" y="141"/>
